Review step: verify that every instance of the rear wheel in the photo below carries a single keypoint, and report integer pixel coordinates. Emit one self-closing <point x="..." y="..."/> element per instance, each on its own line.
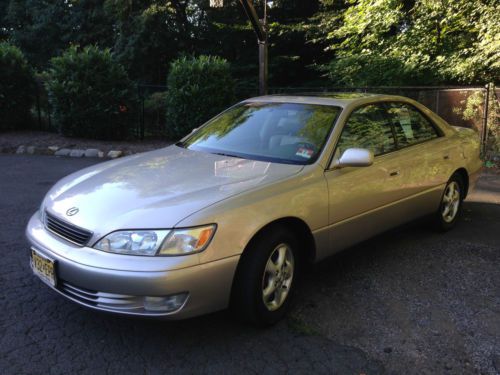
<point x="265" y="278"/>
<point x="451" y="204"/>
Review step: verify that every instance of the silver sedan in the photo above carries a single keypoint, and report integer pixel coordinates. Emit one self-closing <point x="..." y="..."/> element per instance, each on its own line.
<point x="230" y="214"/>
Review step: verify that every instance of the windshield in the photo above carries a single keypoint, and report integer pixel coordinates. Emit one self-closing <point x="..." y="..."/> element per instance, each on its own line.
<point x="276" y="132"/>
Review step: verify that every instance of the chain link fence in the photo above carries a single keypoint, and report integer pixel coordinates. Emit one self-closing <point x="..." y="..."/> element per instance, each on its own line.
<point x="472" y="107"/>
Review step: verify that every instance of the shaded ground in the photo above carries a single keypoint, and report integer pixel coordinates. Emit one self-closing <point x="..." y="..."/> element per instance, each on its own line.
<point x="407" y="302"/>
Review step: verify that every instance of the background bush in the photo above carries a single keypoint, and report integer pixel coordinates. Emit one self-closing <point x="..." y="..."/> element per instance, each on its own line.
<point x="90" y="94"/>
<point x="198" y="89"/>
<point x="155" y="109"/>
<point x="17" y="88"/>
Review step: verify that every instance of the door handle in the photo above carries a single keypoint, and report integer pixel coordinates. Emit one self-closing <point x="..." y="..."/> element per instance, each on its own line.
<point x="394" y="173"/>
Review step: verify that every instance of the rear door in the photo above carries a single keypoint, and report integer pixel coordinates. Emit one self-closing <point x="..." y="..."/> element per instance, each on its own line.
<point x="423" y="154"/>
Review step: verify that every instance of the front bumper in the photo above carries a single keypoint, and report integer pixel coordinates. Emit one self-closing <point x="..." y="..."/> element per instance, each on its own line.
<point x="118" y="283"/>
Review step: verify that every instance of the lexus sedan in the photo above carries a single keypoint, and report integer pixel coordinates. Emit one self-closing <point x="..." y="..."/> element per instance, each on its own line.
<point x="228" y="216"/>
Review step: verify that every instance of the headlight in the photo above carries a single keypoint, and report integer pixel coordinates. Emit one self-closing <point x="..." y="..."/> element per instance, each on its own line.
<point x="185" y="241"/>
<point x="157" y="242"/>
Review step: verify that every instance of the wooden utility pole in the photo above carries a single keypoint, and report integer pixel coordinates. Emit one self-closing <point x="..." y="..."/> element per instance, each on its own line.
<point x="260" y="28"/>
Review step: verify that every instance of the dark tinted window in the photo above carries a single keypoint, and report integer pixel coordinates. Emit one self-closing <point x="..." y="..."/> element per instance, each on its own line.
<point x="367" y="127"/>
<point x="410" y="125"/>
<point x="277" y="132"/>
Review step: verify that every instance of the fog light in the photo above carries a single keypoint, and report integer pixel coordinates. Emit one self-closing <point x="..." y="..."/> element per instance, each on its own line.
<point x="165" y="304"/>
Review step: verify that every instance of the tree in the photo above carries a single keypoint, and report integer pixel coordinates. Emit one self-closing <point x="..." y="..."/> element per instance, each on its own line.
<point x="16" y="88"/>
<point x="150" y="34"/>
<point x="452" y="41"/>
<point x="43" y="29"/>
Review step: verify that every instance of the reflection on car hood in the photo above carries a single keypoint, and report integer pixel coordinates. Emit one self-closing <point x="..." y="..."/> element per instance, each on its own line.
<point x="156" y="189"/>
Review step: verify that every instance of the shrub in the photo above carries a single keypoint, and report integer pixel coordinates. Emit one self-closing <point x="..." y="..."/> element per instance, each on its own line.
<point x="155" y="108"/>
<point x="198" y="89"/>
<point x="90" y="94"/>
<point x="16" y="88"/>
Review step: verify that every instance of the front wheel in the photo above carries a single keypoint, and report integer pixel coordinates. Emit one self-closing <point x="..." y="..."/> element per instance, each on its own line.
<point x="265" y="278"/>
<point x="451" y="204"/>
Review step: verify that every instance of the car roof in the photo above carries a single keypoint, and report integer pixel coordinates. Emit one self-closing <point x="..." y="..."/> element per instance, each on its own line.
<point x="341" y="99"/>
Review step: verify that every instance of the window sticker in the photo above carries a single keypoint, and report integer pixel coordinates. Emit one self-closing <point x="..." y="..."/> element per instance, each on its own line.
<point x="304" y="153"/>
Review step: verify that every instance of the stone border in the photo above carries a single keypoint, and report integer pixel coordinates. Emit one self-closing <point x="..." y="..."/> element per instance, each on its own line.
<point x="74" y="153"/>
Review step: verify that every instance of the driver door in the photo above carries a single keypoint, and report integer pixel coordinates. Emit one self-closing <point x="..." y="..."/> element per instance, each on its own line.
<point x="360" y="198"/>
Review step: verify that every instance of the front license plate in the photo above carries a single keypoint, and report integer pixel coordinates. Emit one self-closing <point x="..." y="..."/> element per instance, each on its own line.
<point x="43" y="267"/>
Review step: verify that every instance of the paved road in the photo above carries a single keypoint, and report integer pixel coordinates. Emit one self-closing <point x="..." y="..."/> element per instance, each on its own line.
<point x="409" y="301"/>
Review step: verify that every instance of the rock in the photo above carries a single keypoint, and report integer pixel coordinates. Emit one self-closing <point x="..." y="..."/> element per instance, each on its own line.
<point x="92" y="153"/>
<point x="46" y="151"/>
<point x="114" y="154"/>
<point x="77" y="153"/>
<point x="21" y="149"/>
<point x="62" y="152"/>
<point x="31" y="150"/>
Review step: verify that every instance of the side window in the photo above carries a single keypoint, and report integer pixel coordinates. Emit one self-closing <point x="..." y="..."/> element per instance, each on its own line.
<point x="367" y="127"/>
<point x="410" y="125"/>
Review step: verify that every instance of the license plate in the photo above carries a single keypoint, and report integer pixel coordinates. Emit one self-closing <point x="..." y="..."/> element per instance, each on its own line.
<point x="43" y="267"/>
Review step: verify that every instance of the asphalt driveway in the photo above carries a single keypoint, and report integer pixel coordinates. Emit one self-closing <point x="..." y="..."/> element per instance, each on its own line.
<point x="409" y="301"/>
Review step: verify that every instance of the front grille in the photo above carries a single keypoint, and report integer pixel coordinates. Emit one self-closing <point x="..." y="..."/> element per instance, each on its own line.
<point x="107" y="301"/>
<point x="66" y="230"/>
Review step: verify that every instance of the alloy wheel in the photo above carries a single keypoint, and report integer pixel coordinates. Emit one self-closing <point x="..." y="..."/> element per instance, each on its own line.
<point x="278" y="277"/>
<point x="451" y="202"/>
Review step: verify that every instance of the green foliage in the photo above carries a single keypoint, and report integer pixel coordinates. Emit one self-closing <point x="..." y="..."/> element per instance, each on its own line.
<point x="198" y="88"/>
<point x="150" y="34"/>
<point x="352" y="42"/>
<point x="472" y="108"/>
<point x="455" y="40"/>
<point x="16" y="88"/>
<point x="43" y="29"/>
<point x="374" y="70"/>
<point x="155" y="109"/>
<point x="90" y="94"/>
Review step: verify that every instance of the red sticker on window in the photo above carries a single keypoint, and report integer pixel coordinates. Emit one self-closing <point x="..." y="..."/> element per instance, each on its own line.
<point x="304" y="153"/>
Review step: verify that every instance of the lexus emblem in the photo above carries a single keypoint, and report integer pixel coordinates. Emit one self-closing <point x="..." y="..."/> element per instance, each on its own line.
<point x="72" y="211"/>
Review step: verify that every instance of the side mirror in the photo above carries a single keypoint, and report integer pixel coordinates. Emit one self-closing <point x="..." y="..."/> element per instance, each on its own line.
<point x="355" y="157"/>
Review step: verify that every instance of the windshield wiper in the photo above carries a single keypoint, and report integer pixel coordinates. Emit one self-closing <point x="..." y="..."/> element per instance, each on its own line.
<point x="224" y="154"/>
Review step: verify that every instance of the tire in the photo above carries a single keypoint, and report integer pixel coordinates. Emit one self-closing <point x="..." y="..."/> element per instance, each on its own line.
<point x="450" y="207"/>
<point x="259" y="271"/>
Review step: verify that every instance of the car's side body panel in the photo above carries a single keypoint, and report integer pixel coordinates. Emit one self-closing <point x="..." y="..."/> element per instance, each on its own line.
<point x="348" y="232"/>
<point x="348" y="205"/>
<point x="239" y="218"/>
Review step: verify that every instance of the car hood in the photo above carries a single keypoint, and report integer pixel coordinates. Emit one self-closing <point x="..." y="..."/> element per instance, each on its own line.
<point x="156" y="189"/>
